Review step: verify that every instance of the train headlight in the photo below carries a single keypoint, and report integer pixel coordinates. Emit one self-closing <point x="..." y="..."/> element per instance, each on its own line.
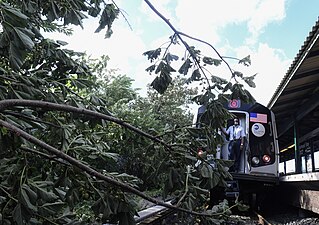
<point x="255" y="160"/>
<point x="266" y="158"/>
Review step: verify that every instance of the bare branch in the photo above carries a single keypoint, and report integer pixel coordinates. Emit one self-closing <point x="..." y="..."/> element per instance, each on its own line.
<point x="121" y="11"/>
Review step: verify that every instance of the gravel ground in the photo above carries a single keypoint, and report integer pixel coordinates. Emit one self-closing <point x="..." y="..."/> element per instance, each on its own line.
<point x="288" y="218"/>
<point x="292" y="216"/>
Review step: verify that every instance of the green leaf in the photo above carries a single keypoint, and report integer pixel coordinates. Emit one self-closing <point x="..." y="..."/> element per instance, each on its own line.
<point x="196" y="75"/>
<point x="13" y="16"/>
<point x="204" y="98"/>
<point x="246" y="61"/>
<point x="24" y="36"/>
<point x="4" y="130"/>
<point x="227" y="87"/>
<point x="163" y="67"/>
<point x="214" y="180"/>
<point x="218" y="80"/>
<point x="206" y="171"/>
<point x="46" y="196"/>
<point x="250" y="80"/>
<point x="242" y="207"/>
<point x="170" y="57"/>
<point x="185" y="67"/>
<point x="152" y="54"/>
<point x="161" y="83"/>
<point x="238" y="74"/>
<point x="151" y="68"/>
<point x="194" y="51"/>
<point x="25" y="199"/>
<point x="51" y="208"/>
<point x="53" y="14"/>
<point x="94" y="11"/>
<point x="17" y="214"/>
<point x="211" y="61"/>
<point x="107" y="18"/>
<point x="16" y="56"/>
<point x="74" y="17"/>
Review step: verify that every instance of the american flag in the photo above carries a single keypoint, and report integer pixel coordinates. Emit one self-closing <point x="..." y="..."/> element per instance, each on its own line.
<point x="258" y="118"/>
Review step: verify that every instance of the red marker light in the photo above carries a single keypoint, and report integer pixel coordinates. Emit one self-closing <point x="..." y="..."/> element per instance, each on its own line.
<point x="234" y="104"/>
<point x="266" y="158"/>
<point x="200" y="152"/>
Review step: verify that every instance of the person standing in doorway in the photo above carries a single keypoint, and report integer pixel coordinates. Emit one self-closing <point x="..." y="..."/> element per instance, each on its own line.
<point x="236" y="137"/>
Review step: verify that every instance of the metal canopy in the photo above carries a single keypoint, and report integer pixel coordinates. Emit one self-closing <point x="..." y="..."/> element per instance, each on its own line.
<point x="297" y="97"/>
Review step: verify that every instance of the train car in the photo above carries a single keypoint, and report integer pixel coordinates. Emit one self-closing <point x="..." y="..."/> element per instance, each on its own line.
<point x="259" y="164"/>
<point x="261" y="150"/>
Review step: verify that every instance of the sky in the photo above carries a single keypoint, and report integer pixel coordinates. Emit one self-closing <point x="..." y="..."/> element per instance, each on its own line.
<point x="270" y="31"/>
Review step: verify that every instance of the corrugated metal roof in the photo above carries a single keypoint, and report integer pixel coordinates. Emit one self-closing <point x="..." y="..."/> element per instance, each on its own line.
<point x="313" y="35"/>
<point x="297" y="96"/>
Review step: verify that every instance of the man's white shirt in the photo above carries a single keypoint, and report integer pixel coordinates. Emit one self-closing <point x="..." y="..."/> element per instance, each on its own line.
<point x="235" y="132"/>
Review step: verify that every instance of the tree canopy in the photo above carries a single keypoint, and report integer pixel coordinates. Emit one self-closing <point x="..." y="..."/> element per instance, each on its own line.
<point x="77" y="140"/>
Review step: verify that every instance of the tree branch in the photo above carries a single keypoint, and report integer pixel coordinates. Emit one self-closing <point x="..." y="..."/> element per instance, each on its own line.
<point x="4" y="104"/>
<point x="30" y="118"/>
<point x="49" y="157"/>
<point x="124" y="187"/>
<point x="177" y="33"/>
<point x="210" y="45"/>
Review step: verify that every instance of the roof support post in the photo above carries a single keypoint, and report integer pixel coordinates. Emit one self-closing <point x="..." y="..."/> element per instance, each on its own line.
<point x="297" y="149"/>
<point x="312" y="155"/>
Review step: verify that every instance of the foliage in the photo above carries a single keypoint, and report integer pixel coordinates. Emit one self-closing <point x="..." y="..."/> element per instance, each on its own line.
<point x="160" y="115"/>
<point x="38" y="186"/>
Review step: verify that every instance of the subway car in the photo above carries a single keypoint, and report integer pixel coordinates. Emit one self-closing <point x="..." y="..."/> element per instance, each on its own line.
<point x="261" y="151"/>
<point x="258" y="175"/>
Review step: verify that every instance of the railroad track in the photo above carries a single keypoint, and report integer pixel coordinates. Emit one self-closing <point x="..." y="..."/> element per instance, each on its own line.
<point x="158" y="218"/>
<point x="153" y="215"/>
<point x="158" y="215"/>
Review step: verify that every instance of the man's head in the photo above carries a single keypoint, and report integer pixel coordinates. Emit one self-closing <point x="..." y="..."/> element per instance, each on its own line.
<point x="236" y="121"/>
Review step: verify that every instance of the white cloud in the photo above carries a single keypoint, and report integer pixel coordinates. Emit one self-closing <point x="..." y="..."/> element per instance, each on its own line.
<point x="205" y="18"/>
<point x="270" y="65"/>
<point x="125" y="47"/>
<point x="266" y="12"/>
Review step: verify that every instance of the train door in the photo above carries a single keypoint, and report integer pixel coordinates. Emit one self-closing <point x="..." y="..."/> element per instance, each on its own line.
<point x="244" y="122"/>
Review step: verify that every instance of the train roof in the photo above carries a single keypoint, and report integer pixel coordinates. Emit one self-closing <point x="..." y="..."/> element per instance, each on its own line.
<point x="247" y="107"/>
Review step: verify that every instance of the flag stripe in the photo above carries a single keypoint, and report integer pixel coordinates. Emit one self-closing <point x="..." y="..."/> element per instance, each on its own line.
<point x="258" y="117"/>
